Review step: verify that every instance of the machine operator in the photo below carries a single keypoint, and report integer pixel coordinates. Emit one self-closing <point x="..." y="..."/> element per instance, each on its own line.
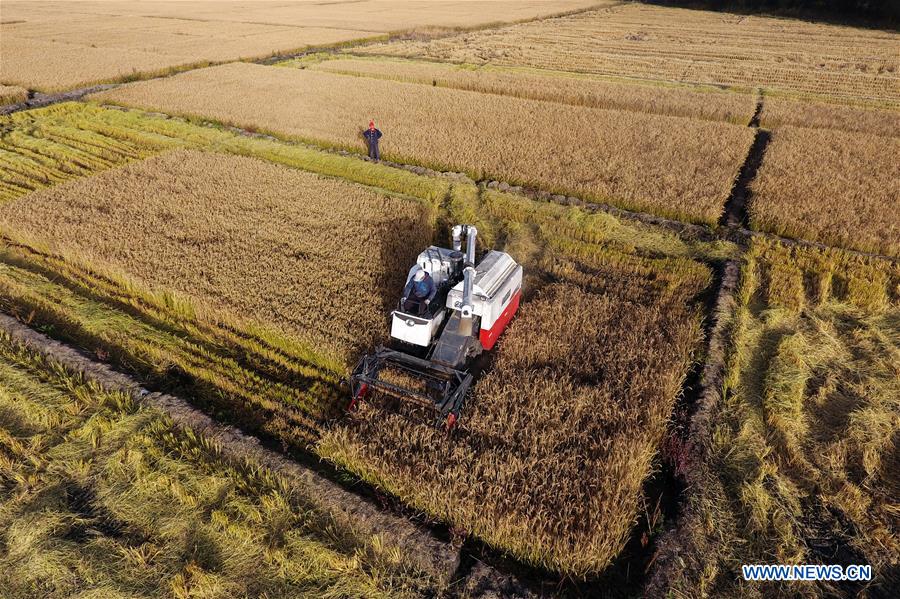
<point x="418" y="293"/>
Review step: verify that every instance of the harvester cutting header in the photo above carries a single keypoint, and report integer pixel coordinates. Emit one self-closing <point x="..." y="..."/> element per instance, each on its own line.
<point x="451" y="310"/>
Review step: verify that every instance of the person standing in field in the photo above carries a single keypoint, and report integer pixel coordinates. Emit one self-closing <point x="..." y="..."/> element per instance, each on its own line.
<point x="372" y="136"/>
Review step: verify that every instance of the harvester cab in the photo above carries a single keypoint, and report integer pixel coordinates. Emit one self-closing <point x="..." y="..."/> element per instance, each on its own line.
<point x="437" y="334"/>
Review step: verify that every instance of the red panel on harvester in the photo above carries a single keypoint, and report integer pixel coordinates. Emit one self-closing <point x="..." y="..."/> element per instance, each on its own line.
<point x="488" y="337"/>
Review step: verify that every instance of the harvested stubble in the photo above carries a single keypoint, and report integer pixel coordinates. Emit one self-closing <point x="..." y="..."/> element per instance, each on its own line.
<point x="557" y="86"/>
<point x="778" y="111"/>
<point x="12" y="94"/>
<point x="242" y="236"/>
<point x="559" y="437"/>
<point x="55" y="56"/>
<point x="50" y="46"/>
<point x="804" y="445"/>
<point x="673" y="166"/>
<point x="673" y="44"/>
<point x="830" y="186"/>
<point x="378" y="15"/>
<point x="104" y="498"/>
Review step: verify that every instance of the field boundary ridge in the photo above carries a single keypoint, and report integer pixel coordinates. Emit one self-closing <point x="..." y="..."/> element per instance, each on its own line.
<point x="690" y="454"/>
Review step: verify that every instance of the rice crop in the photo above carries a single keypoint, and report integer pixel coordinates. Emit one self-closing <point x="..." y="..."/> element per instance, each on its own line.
<point x="778" y="111"/>
<point x="49" y="145"/>
<point x="674" y="44"/>
<point x="677" y="167"/>
<point x="242" y="236"/>
<point x="102" y="497"/>
<point x="642" y="280"/>
<point x="51" y="47"/>
<point x="12" y="94"/>
<point x="36" y="152"/>
<point x="804" y="446"/>
<point x="834" y="187"/>
<point x="126" y="214"/>
<point x="557" y="86"/>
<point x="559" y="437"/>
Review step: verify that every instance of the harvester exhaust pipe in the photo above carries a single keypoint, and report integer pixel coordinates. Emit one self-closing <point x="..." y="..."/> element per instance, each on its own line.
<point x="471" y="234"/>
<point x="467" y="311"/>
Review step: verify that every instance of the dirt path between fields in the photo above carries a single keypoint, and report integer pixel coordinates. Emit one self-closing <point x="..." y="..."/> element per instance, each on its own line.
<point x="680" y="548"/>
<point x="39" y="100"/>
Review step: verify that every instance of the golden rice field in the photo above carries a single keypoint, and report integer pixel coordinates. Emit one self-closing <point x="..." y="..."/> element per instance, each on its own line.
<point x="676" y="167"/>
<point x="676" y="396"/>
<point x="674" y="44"/>
<point x="830" y="186"/>
<point x="55" y="56"/>
<point x="244" y="236"/>
<point x="567" y="88"/>
<point x="55" y="46"/>
<point x="562" y="433"/>
<point x="373" y="15"/>
<point x="11" y="94"/>
<point x="778" y="111"/>
<point x="163" y="223"/>
<point x="46" y="146"/>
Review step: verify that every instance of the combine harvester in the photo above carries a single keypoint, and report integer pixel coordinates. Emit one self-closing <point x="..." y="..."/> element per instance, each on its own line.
<point x="436" y="339"/>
